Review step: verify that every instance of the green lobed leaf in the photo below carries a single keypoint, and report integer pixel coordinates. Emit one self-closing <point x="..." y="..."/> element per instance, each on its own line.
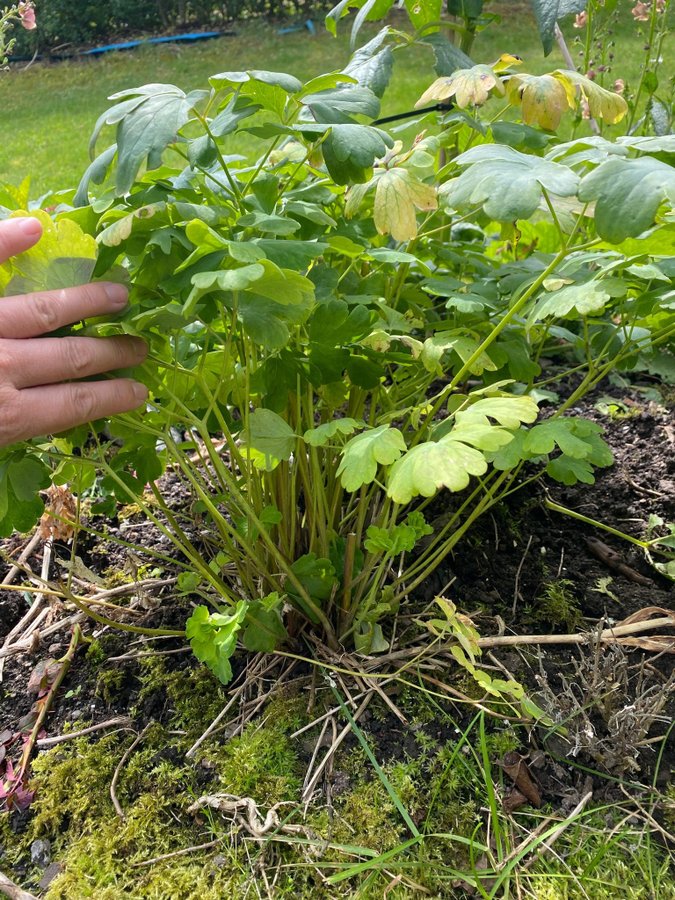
<point x="628" y="194"/>
<point x="213" y="637"/>
<point x="363" y="453"/>
<point x="263" y="629"/>
<point x="271" y="436"/>
<point x="288" y="83"/>
<point x="506" y="183"/>
<point x="448" y="56"/>
<point x="148" y="120"/>
<point x="371" y="65"/>
<point x="22" y="477"/>
<point x="585" y="299"/>
<point x="324" y="434"/>
<point x="350" y="151"/>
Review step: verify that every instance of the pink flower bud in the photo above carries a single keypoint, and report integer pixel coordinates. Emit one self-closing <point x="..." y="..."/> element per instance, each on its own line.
<point x="619" y="86"/>
<point x="580" y="19"/>
<point x="27" y="15"/>
<point x="641" y="11"/>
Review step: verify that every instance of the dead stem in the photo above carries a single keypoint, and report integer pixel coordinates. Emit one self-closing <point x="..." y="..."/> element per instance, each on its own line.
<point x="13" y="891"/>
<point x="120" y="765"/>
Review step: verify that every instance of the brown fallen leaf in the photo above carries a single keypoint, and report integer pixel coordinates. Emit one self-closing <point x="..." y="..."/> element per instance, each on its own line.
<point x="517" y="769"/>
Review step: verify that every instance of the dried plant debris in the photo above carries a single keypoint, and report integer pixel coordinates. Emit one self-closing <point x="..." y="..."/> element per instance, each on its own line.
<point x="607" y="707"/>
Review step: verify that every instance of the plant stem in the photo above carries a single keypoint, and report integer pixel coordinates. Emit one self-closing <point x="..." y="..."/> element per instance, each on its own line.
<point x="556" y="507"/>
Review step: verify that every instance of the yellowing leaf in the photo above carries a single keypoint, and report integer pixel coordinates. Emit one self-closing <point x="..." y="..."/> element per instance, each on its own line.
<point x="469" y="87"/>
<point x="602" y="104"/>
<point x="432" y="465"/>
<point x="397" y="196"/>
<point x="544" y="98"/>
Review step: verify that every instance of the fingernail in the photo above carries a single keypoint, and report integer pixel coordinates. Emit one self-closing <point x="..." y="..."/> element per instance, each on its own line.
<point x="140" y="391"/>
<point x="30" y="227"/>
<point x="117" y="294"/>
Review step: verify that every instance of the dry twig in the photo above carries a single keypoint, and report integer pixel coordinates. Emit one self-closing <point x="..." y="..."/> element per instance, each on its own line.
<point x="13" y="891"/>
<point x="120" y="722"/>
<point x="150" y="862"/>
<point x="120" y="765"/>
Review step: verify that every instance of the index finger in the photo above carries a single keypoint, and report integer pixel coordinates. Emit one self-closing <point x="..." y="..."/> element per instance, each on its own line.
<point x="17" y="235"/>
<point x="32" y="315"/>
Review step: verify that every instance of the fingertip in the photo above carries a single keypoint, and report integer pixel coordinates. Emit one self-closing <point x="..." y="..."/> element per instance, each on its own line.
<point x="117" y="294"/>
<point x="18" y="234"/>
<point x="30" y="227"/>
<point x="139" y="391"/>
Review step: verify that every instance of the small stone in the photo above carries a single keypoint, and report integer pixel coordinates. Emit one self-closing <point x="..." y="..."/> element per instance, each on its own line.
<point x="54" y="649"/>
<point x="220" y="861"/>
<point x="41" y="853"/>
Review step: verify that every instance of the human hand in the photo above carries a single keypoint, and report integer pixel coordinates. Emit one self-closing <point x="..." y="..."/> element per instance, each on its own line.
<point x="37" y="394"/>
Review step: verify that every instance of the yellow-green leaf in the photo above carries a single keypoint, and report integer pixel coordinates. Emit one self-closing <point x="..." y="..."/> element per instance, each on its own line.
<point x="397" y="196"/>
<point x="544" y="98"/>
<point x="602" y="104"/>
<point x="469" y="87"/>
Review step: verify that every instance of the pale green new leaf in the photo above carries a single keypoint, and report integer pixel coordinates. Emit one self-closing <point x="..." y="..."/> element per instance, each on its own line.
<point x="508" y="411"/>
<point x="397" y="196"/>
<point x="628" y="194"/>
<point x="363" y="453"/>
<point x="432" y="465"/>
<point x="284" y="286"/>
<point x="586" y="298"/>
<point x="506" y="183"/>
<point x="480" y="435"/>
<point x="436" y="346"/>
<point x="223" y="280"/>
<point x="323" y="434"/>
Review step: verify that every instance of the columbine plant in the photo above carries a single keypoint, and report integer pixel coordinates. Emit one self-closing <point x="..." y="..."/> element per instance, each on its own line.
<point x="348" y="326"/>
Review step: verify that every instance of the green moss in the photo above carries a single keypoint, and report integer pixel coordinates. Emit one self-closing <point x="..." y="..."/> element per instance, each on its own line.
<point x="109" y="683"/>
<point x="95" y="652"/>
<point x="442" y="787"/>
<point x="558" y="606"/>
<point x="194" y="694"/>
<point x="262" y="762"/>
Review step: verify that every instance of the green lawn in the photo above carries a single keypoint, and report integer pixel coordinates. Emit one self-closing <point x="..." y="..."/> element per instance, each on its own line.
<point x="49" y="111"/>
